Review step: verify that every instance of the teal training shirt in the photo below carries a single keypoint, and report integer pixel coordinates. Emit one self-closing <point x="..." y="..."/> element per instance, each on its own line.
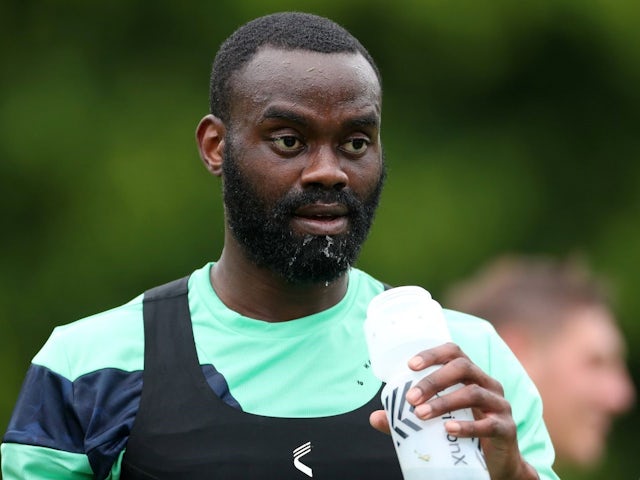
<point x="81" y="393"/>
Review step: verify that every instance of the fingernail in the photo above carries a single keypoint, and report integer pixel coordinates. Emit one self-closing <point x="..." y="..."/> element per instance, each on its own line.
<point x="423" y="411"/>
<point x="415" y="362"/>
<point x="413" y="395"/>
<point x="453" y="427"/>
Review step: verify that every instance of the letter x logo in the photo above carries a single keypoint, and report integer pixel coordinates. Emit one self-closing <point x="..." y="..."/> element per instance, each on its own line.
<point x="298" y="453"/>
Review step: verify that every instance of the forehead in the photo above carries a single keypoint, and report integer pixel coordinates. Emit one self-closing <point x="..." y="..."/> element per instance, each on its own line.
<point x="301" y="77"/>
<point x="590" y="330"/>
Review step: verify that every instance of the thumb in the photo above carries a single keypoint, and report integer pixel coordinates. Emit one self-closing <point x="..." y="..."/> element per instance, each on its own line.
<point x="378" y="420"/>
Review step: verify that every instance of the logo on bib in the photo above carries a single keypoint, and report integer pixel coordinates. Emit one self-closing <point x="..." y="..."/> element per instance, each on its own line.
<point x="298" y="453"/>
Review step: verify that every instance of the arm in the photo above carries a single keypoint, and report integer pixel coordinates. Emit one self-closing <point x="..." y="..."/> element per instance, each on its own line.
<point x="43" y="439"/>
<point x="69" y="425"/>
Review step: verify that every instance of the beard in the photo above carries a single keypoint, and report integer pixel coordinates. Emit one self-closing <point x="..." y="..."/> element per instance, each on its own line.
<point x="265" y="234"/>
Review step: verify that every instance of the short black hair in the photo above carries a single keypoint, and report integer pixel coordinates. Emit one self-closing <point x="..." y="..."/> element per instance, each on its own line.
<point x="286" y="30"/>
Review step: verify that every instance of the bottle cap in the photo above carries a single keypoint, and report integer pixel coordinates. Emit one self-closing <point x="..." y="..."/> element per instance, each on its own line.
<point x="400" y="323"/>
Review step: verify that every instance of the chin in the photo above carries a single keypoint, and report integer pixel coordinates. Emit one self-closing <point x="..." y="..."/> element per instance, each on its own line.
<point x="588" y="455"/>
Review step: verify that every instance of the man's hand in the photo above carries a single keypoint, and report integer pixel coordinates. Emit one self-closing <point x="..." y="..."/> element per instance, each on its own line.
<point x="493" y="424"/>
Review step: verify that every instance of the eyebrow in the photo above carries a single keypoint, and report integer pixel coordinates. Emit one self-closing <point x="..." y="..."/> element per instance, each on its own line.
<point x="282" y="114"/>
<point x="273" y="112"/>
<point x="367" y="120"/>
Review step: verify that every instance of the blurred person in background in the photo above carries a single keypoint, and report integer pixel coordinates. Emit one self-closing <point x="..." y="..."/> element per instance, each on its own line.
<point x="556" y="317"/>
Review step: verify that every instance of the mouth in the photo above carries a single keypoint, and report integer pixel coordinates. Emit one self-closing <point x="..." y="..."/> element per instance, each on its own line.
<point x="321" y="219"/>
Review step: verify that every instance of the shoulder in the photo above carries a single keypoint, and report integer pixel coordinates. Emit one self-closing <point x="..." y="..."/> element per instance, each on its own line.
<point x="480" y="341"/>
<point x="110" y="339"/>
<point x="460" y="320"/>
<point x="113" y="339"/>
<point x="467" y="328"/>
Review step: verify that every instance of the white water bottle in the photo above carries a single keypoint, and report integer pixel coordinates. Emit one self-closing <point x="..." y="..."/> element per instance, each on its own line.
<point x="400" y="323"/>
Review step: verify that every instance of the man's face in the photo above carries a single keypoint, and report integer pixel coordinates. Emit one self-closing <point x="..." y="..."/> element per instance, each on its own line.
<point x="303" y="168"/>
<point x="584" y="384"/>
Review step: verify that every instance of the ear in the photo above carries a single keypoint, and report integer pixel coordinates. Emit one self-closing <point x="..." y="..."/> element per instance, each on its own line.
<point x="519" y="341"/>
<point x="210" y="138"/>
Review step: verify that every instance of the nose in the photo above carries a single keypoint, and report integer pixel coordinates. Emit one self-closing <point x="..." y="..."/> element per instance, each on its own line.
<point x="621" y="392"/>
<point x="627" y="395"/>
<point x="324" y="170"/>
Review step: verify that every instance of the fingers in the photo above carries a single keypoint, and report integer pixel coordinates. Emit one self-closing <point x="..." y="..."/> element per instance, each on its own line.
<point x="456" y="368"/>
<point x="473" y="396"/>
<point x="379" y="421"/>
<point x="490" y="426"/>
<point x="456" y="385"/>
<point x="436" y="356"/>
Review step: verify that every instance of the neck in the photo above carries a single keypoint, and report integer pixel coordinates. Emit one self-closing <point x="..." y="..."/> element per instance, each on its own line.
<point x="261" y="294"/>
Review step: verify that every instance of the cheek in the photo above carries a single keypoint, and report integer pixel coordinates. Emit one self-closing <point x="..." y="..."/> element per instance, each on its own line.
<point x="565" y="376"/>
<point x="364" y="177"/>
<point x="580" y="386"/>
<point x="270" y="182"/>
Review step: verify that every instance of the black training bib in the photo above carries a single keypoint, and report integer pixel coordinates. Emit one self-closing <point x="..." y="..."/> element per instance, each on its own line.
<point x="183" y="430"/>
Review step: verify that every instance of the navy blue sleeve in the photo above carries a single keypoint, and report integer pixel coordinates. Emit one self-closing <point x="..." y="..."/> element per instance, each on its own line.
<point x="92" y="415"/>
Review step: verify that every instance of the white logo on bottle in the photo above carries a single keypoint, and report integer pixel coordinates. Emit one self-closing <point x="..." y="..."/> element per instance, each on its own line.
<point x="298" y="453"/>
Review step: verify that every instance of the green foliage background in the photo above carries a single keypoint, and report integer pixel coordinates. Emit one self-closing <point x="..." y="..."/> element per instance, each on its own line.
<point x="508" y="127"/>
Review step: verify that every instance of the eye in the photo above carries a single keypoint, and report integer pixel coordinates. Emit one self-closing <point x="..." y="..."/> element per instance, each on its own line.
<point x="355" y="146"/>
<point x="287" y="143"/>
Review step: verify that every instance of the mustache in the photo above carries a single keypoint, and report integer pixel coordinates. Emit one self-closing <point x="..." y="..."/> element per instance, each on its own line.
<point x="293" y="201"/>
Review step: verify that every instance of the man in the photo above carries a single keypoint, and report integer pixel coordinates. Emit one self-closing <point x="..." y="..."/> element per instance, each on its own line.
<point x="258" y="367"/>
<point x="557" y="320"/>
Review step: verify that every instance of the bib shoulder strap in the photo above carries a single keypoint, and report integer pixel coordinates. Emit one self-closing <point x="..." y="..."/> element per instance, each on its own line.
<point x="171" y="289"/>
